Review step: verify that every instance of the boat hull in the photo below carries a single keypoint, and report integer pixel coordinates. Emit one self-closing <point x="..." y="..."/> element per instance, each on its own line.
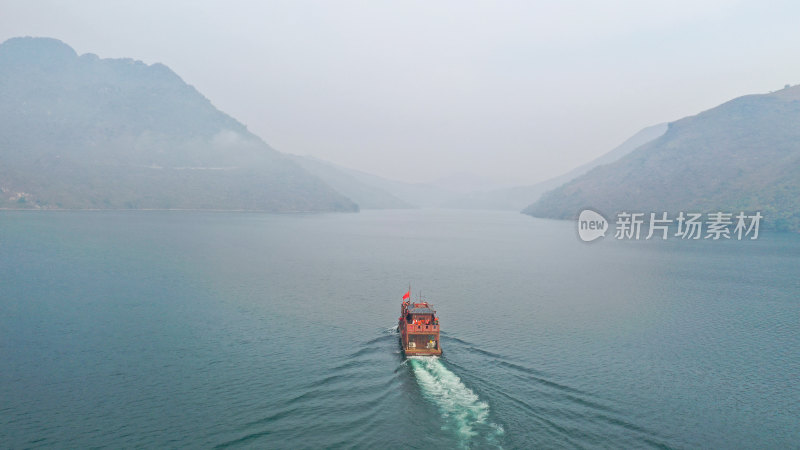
<point x="422" y="352"/>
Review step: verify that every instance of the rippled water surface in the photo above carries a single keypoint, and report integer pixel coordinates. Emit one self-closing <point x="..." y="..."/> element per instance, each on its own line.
<point x="187" y="329"/>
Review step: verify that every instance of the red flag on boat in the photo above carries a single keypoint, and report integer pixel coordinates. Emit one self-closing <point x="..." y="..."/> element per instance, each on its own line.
<point x="407" y="295"/>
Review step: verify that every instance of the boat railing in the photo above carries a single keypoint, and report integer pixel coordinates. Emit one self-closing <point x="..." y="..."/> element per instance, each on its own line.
<point x="431" y="327"/>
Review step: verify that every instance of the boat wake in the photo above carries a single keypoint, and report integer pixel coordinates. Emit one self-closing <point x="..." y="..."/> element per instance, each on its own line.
<point x="460" y="407"/>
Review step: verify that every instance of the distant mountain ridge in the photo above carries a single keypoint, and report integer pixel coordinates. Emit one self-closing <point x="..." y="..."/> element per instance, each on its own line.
<point x="351" y="183"/>
<point x="743" y="155"/>
<point x="518" y="197"/>
<point x="374" y="192"/>
<point x="82" y="132"/>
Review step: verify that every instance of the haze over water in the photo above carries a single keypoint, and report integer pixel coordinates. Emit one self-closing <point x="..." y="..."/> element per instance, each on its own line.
<point x="164" y="329"/>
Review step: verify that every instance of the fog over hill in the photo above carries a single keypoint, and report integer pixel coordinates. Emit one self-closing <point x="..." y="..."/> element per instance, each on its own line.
<point x="459" y="191"/>
<point x="84" y="132"/>
<point x="743" y="155"/>
<point x="352" y="183"/>
<point x="518" y="197"/>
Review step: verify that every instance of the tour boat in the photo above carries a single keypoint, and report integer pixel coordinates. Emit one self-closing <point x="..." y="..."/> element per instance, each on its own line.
<point x="418" y="327"/>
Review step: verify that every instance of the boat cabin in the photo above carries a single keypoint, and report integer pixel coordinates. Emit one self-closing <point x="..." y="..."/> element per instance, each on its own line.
<point x="419" y="329"/>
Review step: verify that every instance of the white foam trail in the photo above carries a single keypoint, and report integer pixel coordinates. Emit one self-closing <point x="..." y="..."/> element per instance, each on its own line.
<point x="457" y="403"/>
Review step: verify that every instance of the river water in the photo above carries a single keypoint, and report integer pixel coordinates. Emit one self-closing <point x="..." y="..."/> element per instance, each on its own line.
<point x="200" y="329"/>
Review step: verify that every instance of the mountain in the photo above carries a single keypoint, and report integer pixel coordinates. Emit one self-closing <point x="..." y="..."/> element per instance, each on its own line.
<point x="83" y="132"/>
<point x="350" y="183"/>
<point x="517" y="198"/>
<point x="375" y="192"/>
<point x="642" y="137"/>
<point x="743" y="155"/>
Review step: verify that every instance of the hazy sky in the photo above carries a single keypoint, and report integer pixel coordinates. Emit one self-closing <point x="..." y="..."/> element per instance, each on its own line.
<point x="514" y="92"/>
